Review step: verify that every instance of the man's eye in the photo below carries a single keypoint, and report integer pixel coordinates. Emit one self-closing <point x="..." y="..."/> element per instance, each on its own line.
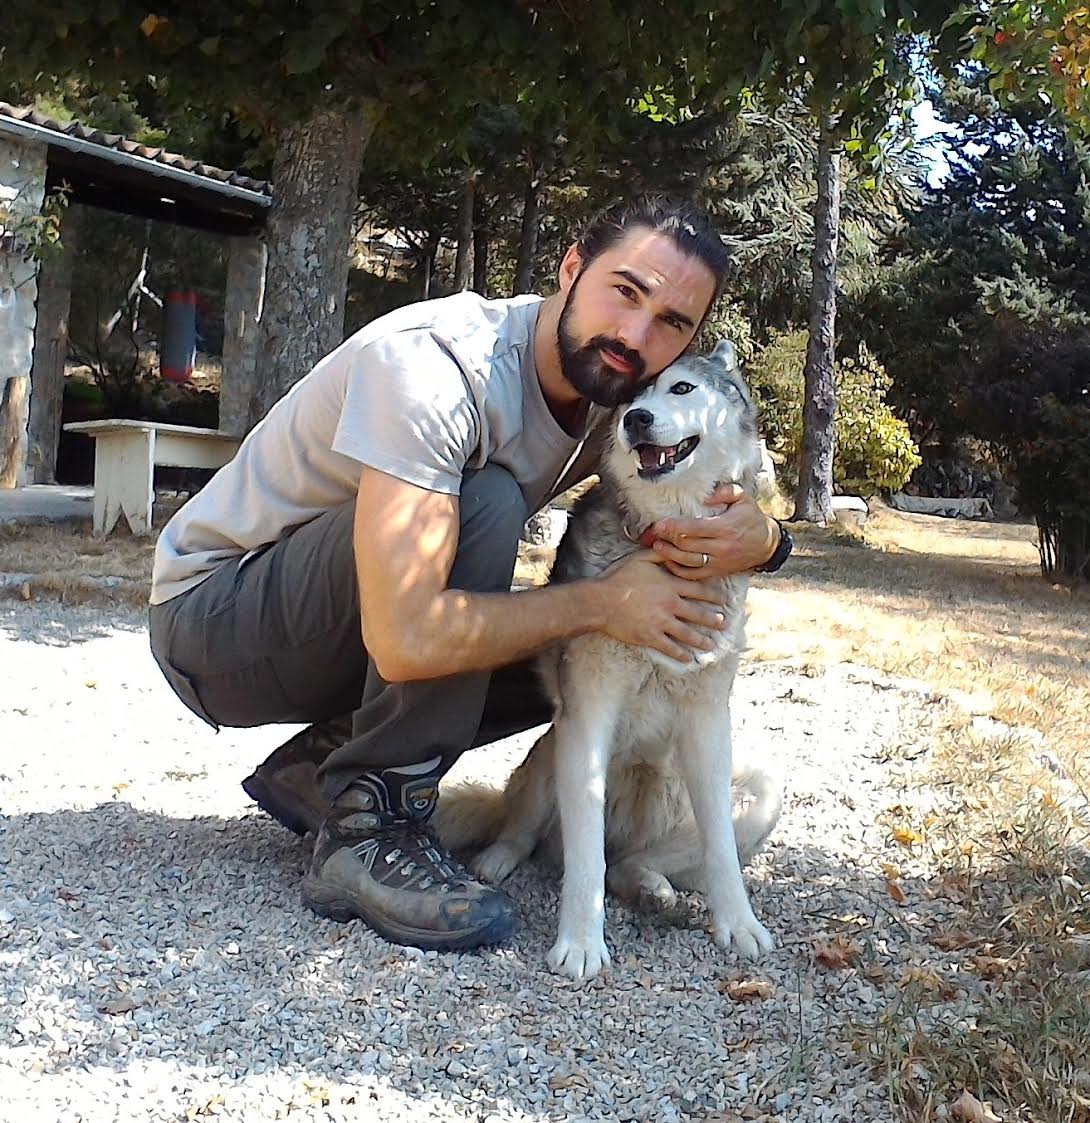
<point x="682" y="388"/>
<point x="626" y="292"/>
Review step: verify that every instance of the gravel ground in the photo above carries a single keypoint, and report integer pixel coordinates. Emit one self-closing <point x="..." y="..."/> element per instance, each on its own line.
<point x="156" y="963"/>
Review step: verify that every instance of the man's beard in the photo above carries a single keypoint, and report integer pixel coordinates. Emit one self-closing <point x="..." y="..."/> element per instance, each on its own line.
<point x="586" y="370"/>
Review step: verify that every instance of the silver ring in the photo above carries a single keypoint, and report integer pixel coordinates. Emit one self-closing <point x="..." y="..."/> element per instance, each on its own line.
<point x="704" y="560"/>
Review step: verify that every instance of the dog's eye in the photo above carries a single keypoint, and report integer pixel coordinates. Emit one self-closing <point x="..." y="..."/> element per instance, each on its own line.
<point x="682" y="388"/>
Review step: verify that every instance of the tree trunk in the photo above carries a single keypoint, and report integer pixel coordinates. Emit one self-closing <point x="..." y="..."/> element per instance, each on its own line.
<point x="247" y="264"/>
<point x="14" y="415"/>
<point x="431" y="248"/>
<point x="531" y="224"/>
<point x="480" y="251"/>
<point x="463" y="271"/>
<point x="1063" y="541"/>
<point x="315" y="182"/>
<point x="50" y="352"/>
<point x="814" y="497"/>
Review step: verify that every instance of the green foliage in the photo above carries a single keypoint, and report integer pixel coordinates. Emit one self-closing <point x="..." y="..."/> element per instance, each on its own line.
<point x="1008" y="233"/>
<point x="874" y="451"/>
<point x="1038" y="48"/>
<point x="1030" y="399"/>
<point x="35" y="234"/>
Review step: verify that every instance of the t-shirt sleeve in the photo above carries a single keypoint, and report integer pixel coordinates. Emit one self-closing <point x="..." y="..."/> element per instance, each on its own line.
<point x="408" y="411"/>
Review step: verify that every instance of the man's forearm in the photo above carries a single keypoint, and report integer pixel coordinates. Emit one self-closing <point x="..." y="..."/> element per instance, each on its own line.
<point x="463" y="631"/>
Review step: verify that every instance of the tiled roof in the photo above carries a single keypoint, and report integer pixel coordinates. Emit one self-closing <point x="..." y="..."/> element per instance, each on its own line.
<point x="122" y="144"/>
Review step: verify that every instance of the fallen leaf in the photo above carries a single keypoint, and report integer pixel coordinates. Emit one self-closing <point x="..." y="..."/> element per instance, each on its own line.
<point x="931" y="982"/>
<point x="891" y="871"/>
<point x="150" y="24"/>
<point x="953" y="941"/>
<point x="896" y="892"/>
<point x="747" y="990"/>
<point x="211" y="1106"/>
<point x="837" y="953"/>
<point x="969" y="1109"/>
<point x="907" y="837"/>
<point x="90" y="684"/>
<point x="563" y="1083"/>
<point x="67" y="895"/>
<point x="121" y="1006"/>
<point x="24" y="590"/>
<point x="990" y="966"/>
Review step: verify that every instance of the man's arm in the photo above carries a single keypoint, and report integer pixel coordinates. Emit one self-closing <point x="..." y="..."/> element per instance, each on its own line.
<point x="414" y="627"/>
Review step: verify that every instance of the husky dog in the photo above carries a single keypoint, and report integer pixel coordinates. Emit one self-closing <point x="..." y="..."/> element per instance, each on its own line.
<point x="633" y="787"/>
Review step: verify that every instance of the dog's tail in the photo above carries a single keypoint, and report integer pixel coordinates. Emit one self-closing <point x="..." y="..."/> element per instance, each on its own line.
<point x="468" y="815"/>
<point x="758" y="798"/>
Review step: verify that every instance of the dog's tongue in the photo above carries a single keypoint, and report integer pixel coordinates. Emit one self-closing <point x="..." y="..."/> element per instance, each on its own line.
<point x="654" y="456"/>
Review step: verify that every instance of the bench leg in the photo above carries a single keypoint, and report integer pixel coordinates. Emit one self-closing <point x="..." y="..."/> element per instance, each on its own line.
<point x="124" y="468"/>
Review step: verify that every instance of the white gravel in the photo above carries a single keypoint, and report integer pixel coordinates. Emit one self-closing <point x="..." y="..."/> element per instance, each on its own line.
<point x="156" y="963"/>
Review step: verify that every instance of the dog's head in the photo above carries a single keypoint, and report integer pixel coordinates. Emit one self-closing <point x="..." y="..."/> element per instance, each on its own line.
<point x="695" y="426"/>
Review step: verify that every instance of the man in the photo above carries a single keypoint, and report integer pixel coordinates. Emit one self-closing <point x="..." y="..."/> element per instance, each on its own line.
<point x="351" y="567"/>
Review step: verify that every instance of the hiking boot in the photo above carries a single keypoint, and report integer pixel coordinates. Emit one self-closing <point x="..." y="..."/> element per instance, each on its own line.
<point x="286" y="785"/>
<point x="375" y="859"/>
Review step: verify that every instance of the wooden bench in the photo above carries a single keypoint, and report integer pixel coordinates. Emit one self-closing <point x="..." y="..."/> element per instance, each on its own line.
<point x="126" y="453"/>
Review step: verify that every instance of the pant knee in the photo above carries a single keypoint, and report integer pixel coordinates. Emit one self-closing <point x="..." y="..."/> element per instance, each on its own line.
<point x="492" y="501"/>
<point x="493" y="512"/>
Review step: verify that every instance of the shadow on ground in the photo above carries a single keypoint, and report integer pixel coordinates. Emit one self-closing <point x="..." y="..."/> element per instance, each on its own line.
<point x="132" y="939"/>
<point x="52" y="622"/>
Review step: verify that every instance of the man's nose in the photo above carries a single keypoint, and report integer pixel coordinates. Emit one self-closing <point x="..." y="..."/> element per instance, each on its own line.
<point x="633" y="331"/>
<point x="637" y="420"/>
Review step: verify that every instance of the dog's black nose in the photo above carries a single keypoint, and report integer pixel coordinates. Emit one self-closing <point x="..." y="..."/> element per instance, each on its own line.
<point x="636" y="419"/>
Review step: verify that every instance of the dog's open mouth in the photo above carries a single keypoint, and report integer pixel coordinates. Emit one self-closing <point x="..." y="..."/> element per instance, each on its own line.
<point x="657" y="460"/>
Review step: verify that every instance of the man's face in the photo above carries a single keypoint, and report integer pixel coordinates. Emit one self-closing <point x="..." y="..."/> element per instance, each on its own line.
<point x="628" y="314"/>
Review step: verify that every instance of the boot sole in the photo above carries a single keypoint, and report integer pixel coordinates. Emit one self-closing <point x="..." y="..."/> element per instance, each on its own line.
<point x="334" y="905"/>
<point x="274" y="801"/>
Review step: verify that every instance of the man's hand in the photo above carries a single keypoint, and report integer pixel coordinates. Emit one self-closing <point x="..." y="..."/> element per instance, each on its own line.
<point x="735" y="541"/>
<point x="649" y="608"/>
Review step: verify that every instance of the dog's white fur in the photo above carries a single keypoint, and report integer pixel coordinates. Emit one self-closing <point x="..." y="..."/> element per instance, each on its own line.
<point x="638" y="763"/>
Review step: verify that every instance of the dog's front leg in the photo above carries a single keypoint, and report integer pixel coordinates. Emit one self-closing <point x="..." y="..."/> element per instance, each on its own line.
<point x="705" y="751"/>
<point x="584" y="737"/>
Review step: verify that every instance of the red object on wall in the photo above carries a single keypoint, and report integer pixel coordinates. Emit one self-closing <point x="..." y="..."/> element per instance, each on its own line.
<point x="179" y="344"/>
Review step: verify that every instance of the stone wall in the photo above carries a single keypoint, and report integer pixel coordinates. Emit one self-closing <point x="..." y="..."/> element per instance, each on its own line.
<point x="22" y="189"/>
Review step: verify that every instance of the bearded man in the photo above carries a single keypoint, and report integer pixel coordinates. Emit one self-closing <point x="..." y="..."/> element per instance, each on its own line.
<point x="351" y="567"/>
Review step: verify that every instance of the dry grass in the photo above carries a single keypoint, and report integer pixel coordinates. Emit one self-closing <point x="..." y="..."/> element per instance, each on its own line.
<point x="962" y="606"/>
<point x="65" y="559"/>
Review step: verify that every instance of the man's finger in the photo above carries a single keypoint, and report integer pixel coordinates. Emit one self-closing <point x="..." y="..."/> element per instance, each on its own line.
<point x="690" y="544"/>
<point x="725" y="494"/>
<point x="695" y="588"/>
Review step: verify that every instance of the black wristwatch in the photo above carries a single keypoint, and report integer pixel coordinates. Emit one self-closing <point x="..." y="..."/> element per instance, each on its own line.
<point x="780" y="554"/>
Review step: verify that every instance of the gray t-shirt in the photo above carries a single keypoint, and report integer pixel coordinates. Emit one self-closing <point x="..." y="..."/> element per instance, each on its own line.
<point x="424" y="394"/>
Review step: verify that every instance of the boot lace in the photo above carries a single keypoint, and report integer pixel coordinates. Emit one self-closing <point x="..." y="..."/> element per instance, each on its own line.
<point x="413" y="860"/>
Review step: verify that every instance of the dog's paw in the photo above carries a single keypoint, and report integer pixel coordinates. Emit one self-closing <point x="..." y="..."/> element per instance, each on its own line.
<point x="496" y="862"/>
<point x="657" y="892"/>
<point x="748" y="935"/>
<point x="641" y="886"/>
<point x="578" y="959"/>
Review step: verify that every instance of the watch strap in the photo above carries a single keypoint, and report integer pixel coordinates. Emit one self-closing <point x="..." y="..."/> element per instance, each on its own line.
<point x="780" y="554"/>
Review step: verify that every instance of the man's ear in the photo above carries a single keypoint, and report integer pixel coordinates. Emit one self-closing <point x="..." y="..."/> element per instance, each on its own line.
<point x="570" y="268"/>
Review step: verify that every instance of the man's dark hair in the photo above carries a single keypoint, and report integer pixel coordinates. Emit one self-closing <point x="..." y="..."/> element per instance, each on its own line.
<point x="686" y="225"/>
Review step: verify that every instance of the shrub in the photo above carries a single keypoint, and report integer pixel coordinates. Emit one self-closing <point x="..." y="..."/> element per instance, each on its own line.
<point x="1030" y="399"/>
<point x="874" y="451"/>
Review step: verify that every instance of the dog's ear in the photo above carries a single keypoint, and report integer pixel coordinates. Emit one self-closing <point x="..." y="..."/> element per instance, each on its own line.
<point x="725" y="353"/>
